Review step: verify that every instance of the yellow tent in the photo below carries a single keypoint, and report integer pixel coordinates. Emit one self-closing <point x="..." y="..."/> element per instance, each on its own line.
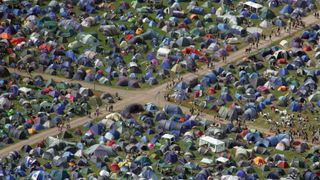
<point x="32" y="131"/>
<point x="176" y="68"/>
<point x="139" y="31"/>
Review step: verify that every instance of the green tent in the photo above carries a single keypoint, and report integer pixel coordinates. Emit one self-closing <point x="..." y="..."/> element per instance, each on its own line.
<point x="50" y="82"/>
<point x="60" y="174"/>
<point x="197" y="32"/>
<point x="100" y="150"/>
<point x="85" y="171"/>
<point x="267" y="14"/>
<point x="87" y="39"/>
<point x="62" y="85"/>
<point x="50" y="25"/>
<point x="74" y="45"/>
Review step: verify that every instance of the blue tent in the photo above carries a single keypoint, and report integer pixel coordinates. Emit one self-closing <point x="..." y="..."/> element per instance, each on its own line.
<point x="181" y="86"/>
<point x="160" y="115"/>
<point x="254" y="16"/>
<point x="59" y="108"/>
<point x="263" y="143"/>
<point x="241" y="174"/>
<point x="97" y="129"/>
<point x="14" y="89"/>
<point x="287" y="9"/>
<point x="308" y="175"/>
<point x="226" y="97"/>
<point x="166" y="64"/>
<point x="244" y="13"/>
<point x="38" y="127"/>
<point x="223" y="27"/>
<point x="283" y="71"/>
<point x="54" y="93"/>
<point x="189" y="124"/>
<point x="172" y="109"/>
<point x="170" y="157"/>
<point x="272" y="176"/>
<point x="274" y="140"/>
<point x="253" y="137"/>
<point x="295" y="106"/>
<point x="250" y="113"/>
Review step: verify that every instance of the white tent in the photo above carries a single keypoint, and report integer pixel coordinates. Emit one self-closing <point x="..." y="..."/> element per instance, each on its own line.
<point x="163" y="52"/>
<point x="25" y="90"/>
<point x="4" y="103"/>
<point x="265" y="24"/>
<point x="284" y="43"/>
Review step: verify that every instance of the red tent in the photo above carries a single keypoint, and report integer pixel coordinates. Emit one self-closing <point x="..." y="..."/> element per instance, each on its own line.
<point x="281" y="61"/>
<point x="45" y="46"/>
<point x="110" y="142"/>
<point x="244" y="132"/>
<point x="114" y="167"/>
<point x="211" y="90"/>
<point x="190" y="50"/>
<point x="282" y="164"/>
<point x="128" y="37"/>
<point x="18" y="40"/>
<point x="262" y="89"/>
<point x="307" y="48"/>
<point x="183" y="25"/>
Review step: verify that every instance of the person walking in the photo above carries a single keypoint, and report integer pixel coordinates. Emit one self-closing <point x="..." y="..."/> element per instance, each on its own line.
<point x="97" y="111"/>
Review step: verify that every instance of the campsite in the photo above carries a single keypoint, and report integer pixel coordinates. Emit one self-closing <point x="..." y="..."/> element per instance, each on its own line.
<point x="159" y="89"/>
<point x="112" y="50"/>
<point x="276" y="87"/>
<point x="31" y="104"/>
<point x="149" y="142"/>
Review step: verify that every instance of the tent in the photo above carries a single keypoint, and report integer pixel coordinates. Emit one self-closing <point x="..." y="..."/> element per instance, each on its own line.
<point x="5" y="103"/>
<point x="183" y="42"/>
<point x="267" y="14"/>
<point x="172" y="109"/>
<point x="100" y="151"/>
<point x="59" y="174"/>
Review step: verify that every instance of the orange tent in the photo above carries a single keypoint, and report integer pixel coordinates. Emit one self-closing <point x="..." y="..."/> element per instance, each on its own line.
<point x="5" y="36"/>
<point x="259" y="160"/>
<point x="282" y="88"/>
<point x="193" y="16"/>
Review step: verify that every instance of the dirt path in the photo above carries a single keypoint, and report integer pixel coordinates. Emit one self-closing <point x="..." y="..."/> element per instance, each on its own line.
<point x="142" y="96"/>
